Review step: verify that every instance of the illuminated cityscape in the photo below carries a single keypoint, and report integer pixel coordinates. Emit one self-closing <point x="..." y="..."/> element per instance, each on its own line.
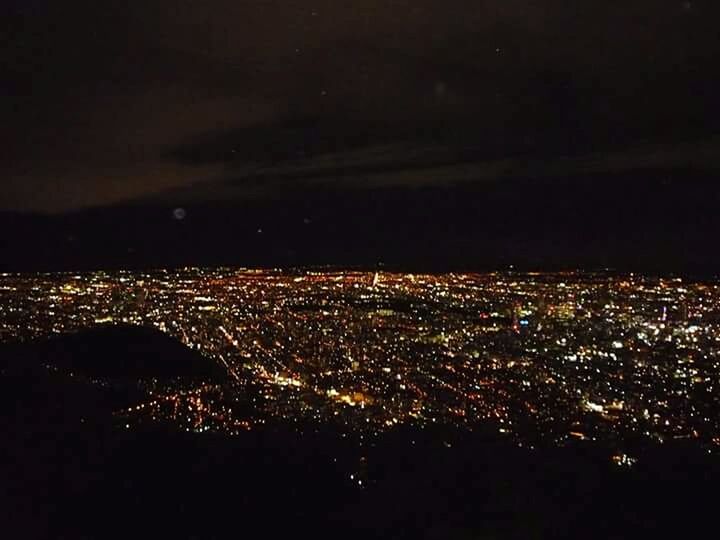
<point x="546" y="358"/>
<point x="414" y="270"/>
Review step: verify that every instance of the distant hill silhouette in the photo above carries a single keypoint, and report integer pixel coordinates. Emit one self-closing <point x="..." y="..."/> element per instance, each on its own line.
<point x="657" y="221"/>
<point x="116" y="352"/>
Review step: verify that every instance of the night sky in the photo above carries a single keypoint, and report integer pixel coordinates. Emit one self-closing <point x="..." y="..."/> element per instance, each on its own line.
<point x="416" y="133"/>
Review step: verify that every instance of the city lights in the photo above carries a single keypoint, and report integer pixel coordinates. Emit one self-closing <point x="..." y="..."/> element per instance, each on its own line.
<point x="539" y="358"/>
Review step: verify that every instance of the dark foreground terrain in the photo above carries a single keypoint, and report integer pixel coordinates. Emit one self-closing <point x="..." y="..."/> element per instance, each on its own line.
<point x="70" y="470"/>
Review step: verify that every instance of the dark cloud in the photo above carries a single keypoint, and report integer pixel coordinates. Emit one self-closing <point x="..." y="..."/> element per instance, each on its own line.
<point x="415" y="165"/>
<point x="107" y="102"/>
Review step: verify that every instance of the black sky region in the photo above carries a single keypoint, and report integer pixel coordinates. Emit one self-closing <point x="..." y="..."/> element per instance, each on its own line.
<point x="419" y="134"/>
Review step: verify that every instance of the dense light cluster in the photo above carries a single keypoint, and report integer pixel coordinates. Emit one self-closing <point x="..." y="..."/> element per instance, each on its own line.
<point x="536" y="357"/>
